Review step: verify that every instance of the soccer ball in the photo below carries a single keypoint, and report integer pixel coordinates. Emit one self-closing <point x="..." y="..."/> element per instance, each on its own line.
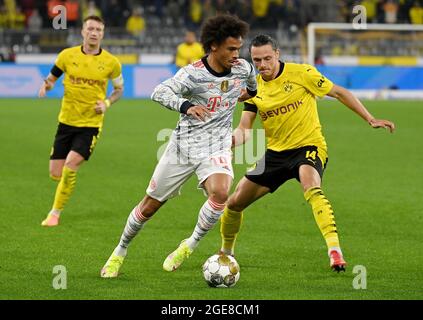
<point x="221" y="271"/>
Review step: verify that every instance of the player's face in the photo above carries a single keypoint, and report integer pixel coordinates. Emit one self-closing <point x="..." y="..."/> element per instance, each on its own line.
<point x="93" y="32"/>
<point x="227" y="53"/>
<point x="266" y="60"/>
<point x="190" y="37"/>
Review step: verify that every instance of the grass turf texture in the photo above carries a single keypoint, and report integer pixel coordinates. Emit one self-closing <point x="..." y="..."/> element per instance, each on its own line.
<point x="373" y="180"/>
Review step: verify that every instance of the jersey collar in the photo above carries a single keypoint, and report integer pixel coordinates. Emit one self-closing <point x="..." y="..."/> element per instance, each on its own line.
<point x="281" y="68"/>
<point x="209" y="69"/>
<point x="82" y="50"/>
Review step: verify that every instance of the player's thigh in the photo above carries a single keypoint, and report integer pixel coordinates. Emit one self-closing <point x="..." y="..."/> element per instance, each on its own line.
<point x="74" y="160"/>
<point x="62" y="143"/>
<point x="311" y="166"/>
<point x="168" y="177"/>
<point x="309" y="177"/>
<point x="271" y="171"/>
<point x="246" y="192"/>
<point x="85" y="141"/>
<point x="215" y="175"/>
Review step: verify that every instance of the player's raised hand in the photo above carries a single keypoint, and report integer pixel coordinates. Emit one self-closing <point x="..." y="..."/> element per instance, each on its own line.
<point x="199" y="112"/>
<point x="100" y="107"/>
<point x="380" y="123"/>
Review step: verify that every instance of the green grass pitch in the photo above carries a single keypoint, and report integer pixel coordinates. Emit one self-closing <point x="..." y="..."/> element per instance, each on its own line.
<point x="374" y="181"/>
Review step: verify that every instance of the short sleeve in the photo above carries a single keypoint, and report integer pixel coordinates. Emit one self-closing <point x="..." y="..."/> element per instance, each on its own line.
<point x="117" y="69"/>
<point x="315" y="82"/>
<point x="250" y="106"/>
<point x="61" y="61"/>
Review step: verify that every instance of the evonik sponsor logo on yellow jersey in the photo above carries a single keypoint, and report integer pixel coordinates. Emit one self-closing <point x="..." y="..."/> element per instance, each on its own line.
<point x="82" y="80"/>
<point x="280" y="111"/>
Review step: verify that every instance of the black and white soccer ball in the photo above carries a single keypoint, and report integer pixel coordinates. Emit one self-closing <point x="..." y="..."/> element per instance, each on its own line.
<point x="221" y="271"/>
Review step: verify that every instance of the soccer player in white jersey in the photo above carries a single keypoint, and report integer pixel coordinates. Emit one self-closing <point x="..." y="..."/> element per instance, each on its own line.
<point x="205" y="93"/>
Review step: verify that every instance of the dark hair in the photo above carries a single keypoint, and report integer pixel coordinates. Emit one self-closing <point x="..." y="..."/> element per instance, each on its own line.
<point x="95" y="18"/>
<point x="217" y="29"/>
<point x="262" y="40"/>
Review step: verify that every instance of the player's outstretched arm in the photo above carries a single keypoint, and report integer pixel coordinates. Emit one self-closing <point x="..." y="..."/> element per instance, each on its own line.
<point x="242" y="133"/>
<point x="47" y="85"/>
<point x="347" y="98"/>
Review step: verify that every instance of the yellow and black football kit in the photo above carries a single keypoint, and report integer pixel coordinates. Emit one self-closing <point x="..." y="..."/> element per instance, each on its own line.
<point x="85" y="82"/>
<point x="288" y="111"/>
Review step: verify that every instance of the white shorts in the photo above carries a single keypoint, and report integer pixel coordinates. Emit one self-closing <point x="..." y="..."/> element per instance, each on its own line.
<point x="171" y="173"/>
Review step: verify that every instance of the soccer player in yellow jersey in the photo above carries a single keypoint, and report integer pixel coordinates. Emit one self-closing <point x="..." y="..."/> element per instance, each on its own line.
<point x="189" y="51"/>
<point x="87" y="69"/>
<point x="296" y="148"/>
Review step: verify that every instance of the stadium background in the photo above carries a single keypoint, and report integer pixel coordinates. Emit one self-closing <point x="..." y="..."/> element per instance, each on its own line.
<point x="373" y="178"/>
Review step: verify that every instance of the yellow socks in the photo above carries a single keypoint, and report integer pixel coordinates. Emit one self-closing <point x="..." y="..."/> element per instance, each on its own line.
<point x="323" y="214"/>
<point x="64" y="188"/>
<point x="230" y="225"/>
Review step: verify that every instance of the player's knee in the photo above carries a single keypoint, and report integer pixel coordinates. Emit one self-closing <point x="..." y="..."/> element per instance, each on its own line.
<point x="73" y="164"/>
<point x="219" y="196"/>
<point x="74" y="161"/>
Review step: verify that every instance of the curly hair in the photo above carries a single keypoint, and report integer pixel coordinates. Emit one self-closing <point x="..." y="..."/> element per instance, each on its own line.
<point x="217" y="29"/>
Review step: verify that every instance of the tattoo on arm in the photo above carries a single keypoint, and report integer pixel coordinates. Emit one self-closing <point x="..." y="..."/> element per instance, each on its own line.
<point x="116" y="94"/>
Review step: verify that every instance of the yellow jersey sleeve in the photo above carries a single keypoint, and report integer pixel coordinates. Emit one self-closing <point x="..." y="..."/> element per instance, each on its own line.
<point x="61" y="61"/>
<point x="250" y="101"/>
<point x="117" y="69"/>
<point x="315" y="82"/>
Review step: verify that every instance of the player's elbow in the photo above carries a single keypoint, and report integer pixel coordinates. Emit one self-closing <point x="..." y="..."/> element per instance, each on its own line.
<point x="119" y="90"/>
<point x="155" y="95"/>
<point x="159" y="91"/>
<point x="338" y="92"/>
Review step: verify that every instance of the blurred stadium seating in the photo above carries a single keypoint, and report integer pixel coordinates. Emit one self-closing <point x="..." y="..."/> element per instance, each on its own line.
<point x="149" y="31"/>
<point x="165" y="21"/>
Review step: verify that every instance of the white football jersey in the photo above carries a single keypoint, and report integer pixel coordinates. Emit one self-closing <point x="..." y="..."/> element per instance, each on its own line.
<point x="198" y="84"/>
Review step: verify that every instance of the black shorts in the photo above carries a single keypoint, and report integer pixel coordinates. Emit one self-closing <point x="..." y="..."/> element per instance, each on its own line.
<point x="275" y="168"/>
<point x="79" y="139"/>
